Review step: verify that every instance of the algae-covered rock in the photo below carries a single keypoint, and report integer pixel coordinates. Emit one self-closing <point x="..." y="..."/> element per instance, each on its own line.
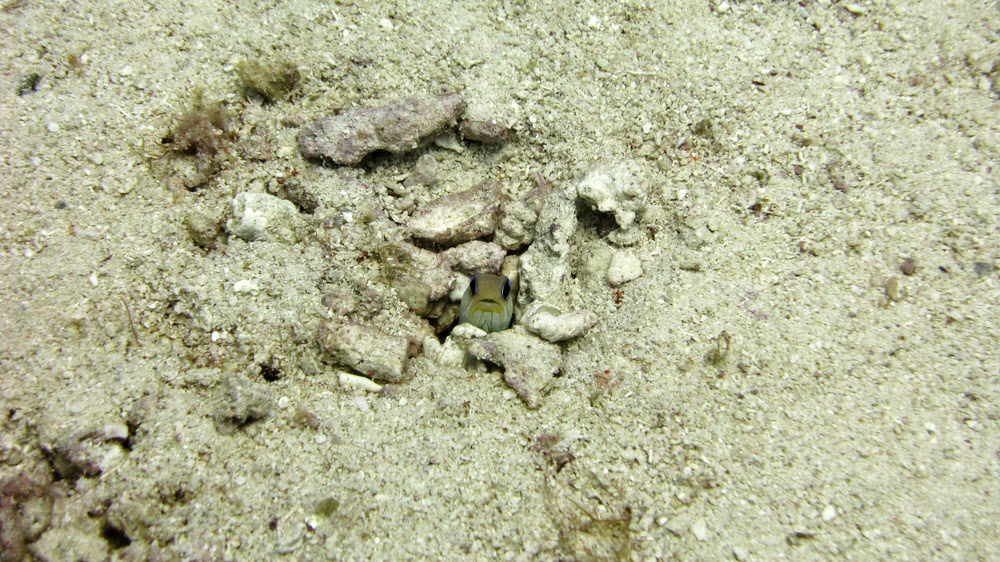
<point x="272" y="80"/>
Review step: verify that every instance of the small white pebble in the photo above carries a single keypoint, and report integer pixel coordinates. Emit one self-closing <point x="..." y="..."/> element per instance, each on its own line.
<point x="741" y="552"/>
<point x="245" y="286"/>
<point x="679" y="524"/>
<point x="116" y="430"/>
<point x="361" y="383"/>
<point x="52" y="127"/>
<point x="125" y="71"/>
<point x="320" y="439"/>
<point x="699" y="530"/>
<point x="624" y="267"/>
<point x="362" y="404"/>
<point x="450" y="142"/>
<point x="971" y="424"/>
<point x="930" y="427"/>
<point x="467" y="331"/>
<point x="829" y="513"/>
<point x="283" y="402"/>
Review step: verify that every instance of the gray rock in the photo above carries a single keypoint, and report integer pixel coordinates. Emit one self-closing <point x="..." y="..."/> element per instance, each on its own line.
<point x="699" y="530"/>
<point x="554" y="325"/>
<point x="519" y="218"/>
<point x="475" y="256"/>
<point x="545" y="264"/>
<point x="620" y="190"/>
<point x="241" y="402"/>
<point x="529" y="362"/>
<point x="365" y="349"/>
<point x="424" y="173"/>
<point x="624" y="267"/>
<point x="458" y="217"/>
<point x="259" y="216"/>
<point x="417" y="275"/>
<point x="73" y="455"/>
<point x="517" y="225"/>
<point x="679" y="524"/>
<point x="202" y="229"/>
<point x="398" y="127"/>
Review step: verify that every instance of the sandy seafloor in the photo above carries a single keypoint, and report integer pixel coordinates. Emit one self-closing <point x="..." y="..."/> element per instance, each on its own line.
<point x="797" y="154"/>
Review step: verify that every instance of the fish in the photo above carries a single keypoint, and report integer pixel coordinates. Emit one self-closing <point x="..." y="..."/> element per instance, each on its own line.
<point x="488" y="303"/>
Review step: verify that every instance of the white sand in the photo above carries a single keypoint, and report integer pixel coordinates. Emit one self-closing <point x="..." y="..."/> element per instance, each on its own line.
<point x="844" y="138"/>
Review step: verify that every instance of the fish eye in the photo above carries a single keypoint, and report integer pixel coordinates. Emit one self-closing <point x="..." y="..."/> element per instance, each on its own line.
<point x="473" y="289"/>
<point x="505" y="291"/>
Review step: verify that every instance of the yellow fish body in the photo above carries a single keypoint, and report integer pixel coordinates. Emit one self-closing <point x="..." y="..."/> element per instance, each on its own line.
<point x="487" y="303"/>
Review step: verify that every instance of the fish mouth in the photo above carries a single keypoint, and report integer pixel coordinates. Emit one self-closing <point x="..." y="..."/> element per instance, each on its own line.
<point x="490" y="315"/>
<point x="491" y="305"/>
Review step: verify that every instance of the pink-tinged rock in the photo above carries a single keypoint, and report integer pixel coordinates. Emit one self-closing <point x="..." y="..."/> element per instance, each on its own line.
<point x="485" y="131"/>
<point x="398" y="127"/>
<point x="459" y="217"/>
